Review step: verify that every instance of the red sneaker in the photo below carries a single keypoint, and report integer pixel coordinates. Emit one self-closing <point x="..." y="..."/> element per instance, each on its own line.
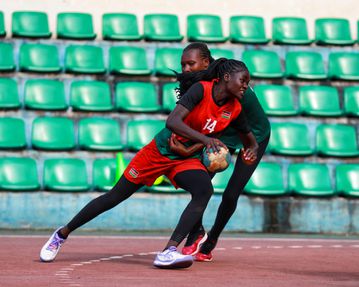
<point x="201" y="257"/>
<point x="194" y="248"/>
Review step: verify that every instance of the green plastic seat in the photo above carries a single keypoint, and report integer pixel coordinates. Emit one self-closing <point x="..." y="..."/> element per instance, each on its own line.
<point x="9" y="95"/>
<point x="84" y="59"/>
<point x="347" y="179"/>
<point x="44" y="94"/>
<point x="161" y="27"/>
<point x="351" y="101"/>
<point x="39" y="58"/>
<point x="120" y="26"/>
<point x="169" y="97"/>
<point x="2" y="25"/>
<point x="137" y="97"/>
<point x="337" y="140"/>
<point x="276" y="100"/>
<point x="65" y="174"/>
<point x="344" y="66"/>
<point x="290" y="139"/>
<point x="6" y="57"/>
<point x="12" y="133"/>
<point x="266" y="180"/>
<point x="75" y="26"/>
<point x="333" y="31"/>
<point x="222" y="53"/>
<point x="303" y="179"/>
<point x="263" y="64"/>
<point x="90" y="96"/>
<point x="104" y="174"/>
<point x="53" y="133"/>
<point x="205" y="28"/>
<point x="290" y="30"/>
<point x="141" y="132"/>
<point x="247" y="30"/>
<point x="128" y="61"/>
<point x="166" y="60"/>
<point x="221" y="179"/>
<point x="306" y="65"/>
<point x="319" y="101"/>
<point x="101" y="134"/>
<point x="30" y="24"/>
<point x="18" y="174"/>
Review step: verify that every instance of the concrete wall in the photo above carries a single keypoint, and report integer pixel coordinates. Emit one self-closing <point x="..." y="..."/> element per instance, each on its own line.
<point x="268" y="9"/>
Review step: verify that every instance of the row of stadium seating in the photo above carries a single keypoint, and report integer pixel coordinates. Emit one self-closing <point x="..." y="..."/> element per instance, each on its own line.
<point x="85" y="95"/>
<point x="165" y="27"/>
<point x="127" y="60"/>
<point x="71" y="174"/>
<point x="106" y="134"/>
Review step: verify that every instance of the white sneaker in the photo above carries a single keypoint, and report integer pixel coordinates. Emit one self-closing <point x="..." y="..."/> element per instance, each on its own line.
<point x="52" y="247"/>
<point x="170" y="258"/>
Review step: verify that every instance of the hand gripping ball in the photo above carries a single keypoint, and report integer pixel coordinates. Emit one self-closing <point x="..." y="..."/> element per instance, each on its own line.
<point x="216" y="162"/>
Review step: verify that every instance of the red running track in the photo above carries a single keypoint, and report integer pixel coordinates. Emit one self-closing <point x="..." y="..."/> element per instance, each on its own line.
<point x="127" y="261"/>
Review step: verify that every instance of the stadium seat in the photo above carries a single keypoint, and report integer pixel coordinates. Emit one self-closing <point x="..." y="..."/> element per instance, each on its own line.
<point x="351" y="101"/>
<point x="30" y="24"/>
<point x="344" y="66"/>
<point x="91" y="96"/>
<point x="169" y="97"/>
<point x="303" y="179"/>
<point x="266" y="180"/>
<point x="290" y="139"/>
<point x="44" y="94"/>
<point x="247" y="30"/>
<point x="161" y="27"/>
<point x="84" y="59"/>
<point x="137" y="97"/>
<point x="75" y="26"/>
<point x="120" y="26"/>
<point x="263" y="64"/>
<point x="319" y="101"/>
<point x="39" y="58"/>
<point x="333" y="31"/>
<point x="102" y="134"/>
<point x="65" y="174"/>
<point x="306" y="65"/>
<point x="53" y="133"/>
<point x="222" y="53"/>
<point x="9" y="96"/>
<point x="12" y="133"/>
<point x="290" y="30"/>
<point x="205" y="28"/>
<point x="347" y="179"/>
<point x="276" y="100"/>
<point x="337" y="140"/>
<point x="18" y="174"/>
<point x="104" y="174"/>
<point x="166" y="60"/>
<point x="128" y="61"/>
<point x="220" y="180"/>
<point x="2" y="25"/>
<point x="141" y="132"/>
<point x="6" y="57"/>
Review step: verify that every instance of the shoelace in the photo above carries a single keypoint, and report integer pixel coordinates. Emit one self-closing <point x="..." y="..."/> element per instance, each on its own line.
<point x="55" y="243"/>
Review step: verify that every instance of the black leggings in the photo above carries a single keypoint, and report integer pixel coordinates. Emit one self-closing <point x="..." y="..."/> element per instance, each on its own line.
<point x="239" y="178"/>
<point x="197" y="182"/>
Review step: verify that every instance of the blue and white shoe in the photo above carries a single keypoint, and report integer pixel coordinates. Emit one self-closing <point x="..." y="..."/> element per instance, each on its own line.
<point x="171" y="258"/>
<point x="51" y="247"/>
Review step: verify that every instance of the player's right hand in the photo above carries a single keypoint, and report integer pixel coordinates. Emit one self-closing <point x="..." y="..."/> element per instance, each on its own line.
<point x="214" y="144"/>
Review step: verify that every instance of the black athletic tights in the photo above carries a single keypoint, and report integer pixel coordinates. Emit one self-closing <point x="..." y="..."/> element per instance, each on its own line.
<point x="197" y="182"/>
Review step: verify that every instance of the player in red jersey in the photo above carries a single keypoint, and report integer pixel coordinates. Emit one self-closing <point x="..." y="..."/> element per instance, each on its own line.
<point x="197" y="57"/>
<point x="204" y="98"/>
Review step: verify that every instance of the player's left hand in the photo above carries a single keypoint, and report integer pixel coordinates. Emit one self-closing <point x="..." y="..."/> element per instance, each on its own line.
<point x="248" y="156"/>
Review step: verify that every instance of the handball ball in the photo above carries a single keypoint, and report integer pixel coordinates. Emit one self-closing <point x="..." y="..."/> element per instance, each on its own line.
<point x="216" y="162"/>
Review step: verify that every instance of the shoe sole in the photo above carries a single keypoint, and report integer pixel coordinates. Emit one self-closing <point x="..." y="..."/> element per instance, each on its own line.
<point x="177" y="265"/>
<point x="200" y="244"/>
<point x="205" y="260"/>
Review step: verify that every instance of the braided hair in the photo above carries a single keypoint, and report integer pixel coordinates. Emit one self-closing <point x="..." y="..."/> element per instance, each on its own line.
<point x="204" y="52"/>
<point x="215" y="70"/>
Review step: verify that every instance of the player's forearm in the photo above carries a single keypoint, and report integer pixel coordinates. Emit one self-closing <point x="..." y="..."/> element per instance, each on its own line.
<point x="181" y="129"/>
